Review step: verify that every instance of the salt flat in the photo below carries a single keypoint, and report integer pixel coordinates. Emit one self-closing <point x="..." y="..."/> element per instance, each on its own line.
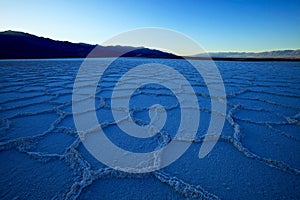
<point x="257" y="155"/>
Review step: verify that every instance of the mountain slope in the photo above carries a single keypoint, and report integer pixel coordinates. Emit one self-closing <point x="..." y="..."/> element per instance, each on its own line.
<point x="14" y="45"/>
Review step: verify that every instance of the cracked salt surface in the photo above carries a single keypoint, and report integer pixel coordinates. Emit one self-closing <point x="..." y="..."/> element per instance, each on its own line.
<point x="257" y="155"/>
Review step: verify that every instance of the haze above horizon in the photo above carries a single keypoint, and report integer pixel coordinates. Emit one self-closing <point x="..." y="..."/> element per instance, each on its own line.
<point x="218" y="26"/>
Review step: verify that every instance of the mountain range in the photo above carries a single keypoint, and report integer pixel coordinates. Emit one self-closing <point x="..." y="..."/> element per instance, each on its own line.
<point x="20" y="45"/>
<point x="283" y="54"/>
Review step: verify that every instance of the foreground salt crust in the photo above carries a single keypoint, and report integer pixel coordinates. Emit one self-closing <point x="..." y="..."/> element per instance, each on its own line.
<point x="256" y="156"/>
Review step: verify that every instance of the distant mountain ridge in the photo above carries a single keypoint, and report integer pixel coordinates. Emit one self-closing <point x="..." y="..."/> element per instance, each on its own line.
<point x="20" y="45"/>
<point x="281" y="54"/>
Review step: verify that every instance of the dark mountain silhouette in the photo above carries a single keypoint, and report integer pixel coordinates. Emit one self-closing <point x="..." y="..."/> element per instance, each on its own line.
<point x="20" y="45"/>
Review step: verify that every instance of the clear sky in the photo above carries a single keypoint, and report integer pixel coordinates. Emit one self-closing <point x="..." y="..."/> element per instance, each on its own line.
<point x="217" y="25"/>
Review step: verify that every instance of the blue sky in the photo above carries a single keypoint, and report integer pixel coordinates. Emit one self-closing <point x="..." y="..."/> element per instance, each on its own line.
<point x="236" y="25"/>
